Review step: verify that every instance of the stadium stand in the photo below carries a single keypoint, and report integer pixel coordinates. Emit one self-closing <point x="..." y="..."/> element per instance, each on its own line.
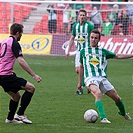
<point x="34" y="16"/>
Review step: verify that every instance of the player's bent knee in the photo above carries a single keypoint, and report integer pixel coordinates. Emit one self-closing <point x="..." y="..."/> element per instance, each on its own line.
<point x="30" y="87"/>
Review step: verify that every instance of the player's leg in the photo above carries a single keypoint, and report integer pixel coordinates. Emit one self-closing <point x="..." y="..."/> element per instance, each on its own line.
<point x="112" y="93"/>
<point x="13" y="104"/>
<point x="54" y="26"/>
<point x="93" y="85"/>
<point x="25" y="100"/>
<point x="98" y="102"/>
<point x="77" y="65"/>
<point x="49" y="26"/>
<point x="119" y="103"/>
<point x="9" y="85"/>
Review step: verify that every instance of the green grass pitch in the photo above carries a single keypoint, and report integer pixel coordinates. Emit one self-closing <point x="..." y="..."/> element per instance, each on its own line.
<point x="56" y="109"/>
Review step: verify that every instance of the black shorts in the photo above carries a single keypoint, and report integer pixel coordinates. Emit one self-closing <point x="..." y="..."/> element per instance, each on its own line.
<point x="12" y="83"/>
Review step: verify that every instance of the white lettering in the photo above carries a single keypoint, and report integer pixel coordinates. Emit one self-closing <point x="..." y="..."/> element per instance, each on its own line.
<point x="120" y="46"/>
<point x="109" y="44"/>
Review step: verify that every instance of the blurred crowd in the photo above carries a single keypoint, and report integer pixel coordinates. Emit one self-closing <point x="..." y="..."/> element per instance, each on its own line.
<point x="111" y="19"/>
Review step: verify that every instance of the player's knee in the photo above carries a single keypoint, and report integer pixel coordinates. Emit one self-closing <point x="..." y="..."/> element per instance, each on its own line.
<point x="98" y="95"/>
<point x="117" y="99"/>
<point x="32" y="88"/>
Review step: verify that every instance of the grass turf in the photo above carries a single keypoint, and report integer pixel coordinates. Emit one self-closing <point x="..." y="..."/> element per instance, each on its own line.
<point x="56" y="109"/>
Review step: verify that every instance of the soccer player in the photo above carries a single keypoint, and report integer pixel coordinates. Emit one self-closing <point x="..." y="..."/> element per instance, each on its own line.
<point x="10" y="50"/>
<point x="81" y="30"/>
<point x="92" y="62"/>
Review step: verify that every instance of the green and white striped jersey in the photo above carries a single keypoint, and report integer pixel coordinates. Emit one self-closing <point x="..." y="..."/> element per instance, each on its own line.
<point x="94" y="61"/>
<point x="82" y="34"/>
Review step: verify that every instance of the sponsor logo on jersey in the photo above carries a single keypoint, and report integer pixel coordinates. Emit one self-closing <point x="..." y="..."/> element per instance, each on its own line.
<point x="81" y="40"/>
<point x="94" y="61"/>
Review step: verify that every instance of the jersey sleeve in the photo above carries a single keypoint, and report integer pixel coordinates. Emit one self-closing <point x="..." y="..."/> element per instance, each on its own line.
<point x="16" y="49"/>
<point x="109" y="54"/>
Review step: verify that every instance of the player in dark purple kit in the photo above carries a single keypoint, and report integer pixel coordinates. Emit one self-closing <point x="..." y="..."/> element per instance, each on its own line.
<point x="10" y="51"/>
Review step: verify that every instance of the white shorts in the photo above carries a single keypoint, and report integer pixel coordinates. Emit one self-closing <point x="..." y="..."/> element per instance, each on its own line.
<point x="103" y="84"/>
<point x="77" y="58"/>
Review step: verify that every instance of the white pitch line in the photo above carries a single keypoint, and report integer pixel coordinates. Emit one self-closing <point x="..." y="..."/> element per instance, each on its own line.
<point x="88" y="127"/>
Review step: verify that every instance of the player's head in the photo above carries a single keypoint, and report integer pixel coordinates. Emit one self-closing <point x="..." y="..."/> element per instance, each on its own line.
<point x="82" y="15"/>
<point x="94" y="38"/>
<point x="16" y="30"/>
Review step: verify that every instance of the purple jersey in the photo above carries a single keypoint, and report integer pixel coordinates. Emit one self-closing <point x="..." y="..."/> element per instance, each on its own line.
<point x="9" y="50"/>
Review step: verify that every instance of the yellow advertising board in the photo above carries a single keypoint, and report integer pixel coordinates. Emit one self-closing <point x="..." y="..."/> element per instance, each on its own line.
<point x="34" y="44"/>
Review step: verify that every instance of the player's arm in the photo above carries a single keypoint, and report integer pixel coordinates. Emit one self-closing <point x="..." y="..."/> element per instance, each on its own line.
<point x="71" y="42"/>
<point x="123" y="56"/>
<point x="16" y="49"/>
<point x="26" y="67"/>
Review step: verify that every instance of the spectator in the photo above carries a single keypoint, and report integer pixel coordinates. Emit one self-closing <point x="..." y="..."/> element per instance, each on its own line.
<point x="112" y="15"/>
<point x="71" y="5"/>
<point x="107" y="27"/>
<point x="77" y="7"/>
<point x="130" y="10"/>
<point x="61" y="5"/>
<point x="71" y="18"/>
<point x="116" y="1"/>
<point x="117" y="30"/>
<point x="116" y="9"/>
<point x="97" y="5"/>
<point x="125" y="22"/>
<point x="119" y="19"/>
<point x="65" y="19"/>
<point x="118" y="26"/>
<point x="96" y="18"/>
<point x="52" y="22"/>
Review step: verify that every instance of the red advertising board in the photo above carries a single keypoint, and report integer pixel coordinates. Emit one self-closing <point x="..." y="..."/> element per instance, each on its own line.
<point x="117" y="44"/>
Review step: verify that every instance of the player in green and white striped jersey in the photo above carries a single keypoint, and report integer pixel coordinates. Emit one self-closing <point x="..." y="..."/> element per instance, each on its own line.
<point x="92" y="64"/>
<point x="81" y="30"/>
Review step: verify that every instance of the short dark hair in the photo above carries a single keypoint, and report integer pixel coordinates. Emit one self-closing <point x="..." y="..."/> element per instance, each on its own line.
<point x="96" y="32"/>
<point x="16" y="27"/>
<point x="83" y="10"/>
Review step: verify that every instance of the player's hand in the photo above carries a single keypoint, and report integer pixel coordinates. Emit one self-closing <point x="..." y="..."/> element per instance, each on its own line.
<point x="37" y="78"/>
<point x="67" y="55"/>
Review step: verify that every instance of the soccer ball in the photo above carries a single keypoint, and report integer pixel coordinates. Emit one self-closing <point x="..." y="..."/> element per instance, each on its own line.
<point x="91" y="116"/>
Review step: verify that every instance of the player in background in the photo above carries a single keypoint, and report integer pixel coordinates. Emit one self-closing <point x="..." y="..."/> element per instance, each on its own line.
<point x="81" y="30"/>
<point x="91" y="66"/>
<point x="10" y="50"/>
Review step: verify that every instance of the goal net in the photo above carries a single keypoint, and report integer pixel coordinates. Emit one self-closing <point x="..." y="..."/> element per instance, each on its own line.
<point x="48" y="24"/>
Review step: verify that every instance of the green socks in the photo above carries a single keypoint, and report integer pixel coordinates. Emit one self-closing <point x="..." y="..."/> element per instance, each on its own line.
<point x="101" y="112"/>
<point x="121" y="107"/>
<point x="100" y="109"/>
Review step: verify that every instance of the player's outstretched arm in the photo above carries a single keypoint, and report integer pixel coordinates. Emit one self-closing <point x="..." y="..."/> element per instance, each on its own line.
<point x="123" y="56"/>
<point x="26" y="67"/>
<point x="71" y="42"/>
